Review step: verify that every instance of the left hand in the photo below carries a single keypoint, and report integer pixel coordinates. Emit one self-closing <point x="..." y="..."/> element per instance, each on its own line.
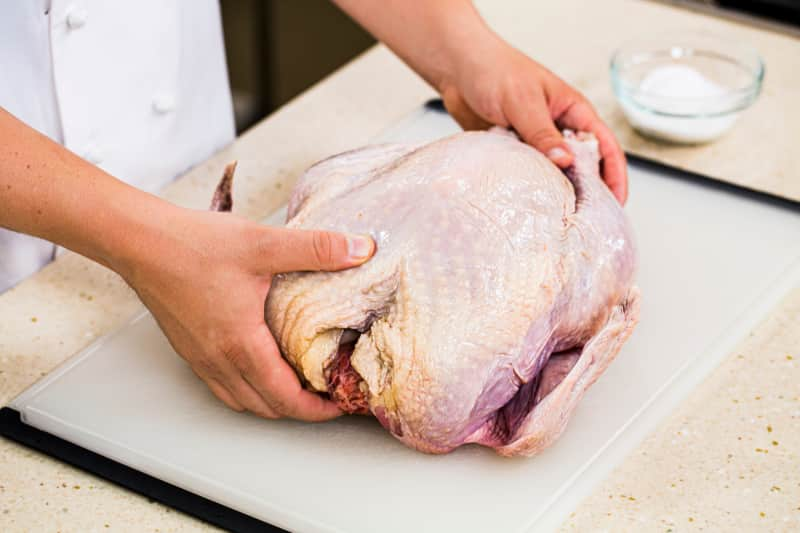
<point x="496" y="84"/>
<point x="484" y="81"/>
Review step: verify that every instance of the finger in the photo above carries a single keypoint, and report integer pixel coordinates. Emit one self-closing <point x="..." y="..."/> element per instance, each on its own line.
<point x="226" y="383"/>
<point x="462" y="112"/>
<point x="221" y="392"/>
<point x="292" y="250"/>
<point x="615" y="167"/>
<point x="581" y="117"/>
<point x="276" y="382"/>
<point x="251" y="400"/>
<point x="216" y="387"/>
<point x="227" y="371"/>
<point x="530" y="117"/>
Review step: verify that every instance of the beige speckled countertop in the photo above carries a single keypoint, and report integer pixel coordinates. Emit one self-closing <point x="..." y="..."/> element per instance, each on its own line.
<point x="726" y="459"/>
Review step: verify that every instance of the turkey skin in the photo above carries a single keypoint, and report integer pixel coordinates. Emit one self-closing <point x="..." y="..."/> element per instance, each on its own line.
<point x="500" y="290"/>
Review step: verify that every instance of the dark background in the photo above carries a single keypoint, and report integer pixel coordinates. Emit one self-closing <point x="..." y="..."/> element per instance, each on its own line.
<point x="278" y="48"/>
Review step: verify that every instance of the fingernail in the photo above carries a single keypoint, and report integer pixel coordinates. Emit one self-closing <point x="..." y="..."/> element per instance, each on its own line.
<point x="359" y="247"/>
<point x="556" y="153"/>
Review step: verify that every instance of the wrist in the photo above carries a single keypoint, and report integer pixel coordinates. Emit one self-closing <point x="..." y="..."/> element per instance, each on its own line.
<point x="469" y="48"/>
<point x="137" y="233"/>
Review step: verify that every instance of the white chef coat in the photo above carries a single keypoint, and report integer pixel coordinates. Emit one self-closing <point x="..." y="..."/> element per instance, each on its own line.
<point x="137" y="87"/>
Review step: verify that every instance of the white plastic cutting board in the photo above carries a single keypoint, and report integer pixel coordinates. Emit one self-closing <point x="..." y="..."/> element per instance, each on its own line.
<point x="712" y="263"/>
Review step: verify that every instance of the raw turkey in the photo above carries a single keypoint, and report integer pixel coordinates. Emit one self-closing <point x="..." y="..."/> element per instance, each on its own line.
<point x="500" y="290"/>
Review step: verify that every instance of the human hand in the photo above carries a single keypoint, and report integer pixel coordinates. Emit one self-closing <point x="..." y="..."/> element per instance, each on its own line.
<point x="495" y="84"/>
<point x="206" y="279"/>
<point x="484" y="81"/>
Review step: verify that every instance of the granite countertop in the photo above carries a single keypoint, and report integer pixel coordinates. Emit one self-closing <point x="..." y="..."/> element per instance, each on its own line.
<point x="725" y="459"/>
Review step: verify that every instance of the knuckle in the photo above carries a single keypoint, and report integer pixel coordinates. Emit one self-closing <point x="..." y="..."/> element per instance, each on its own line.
<point x="281" y="403"/>
<point x="265" y="244"/>
<point x="322" y="247"/>
<point x="518" y="90"/>
<point x="522" y="90"/>
<point x="237" y="356"/>
<point x="543" y="138"/>
<point x="280" y="406"/>
<point x="205" y="369"/>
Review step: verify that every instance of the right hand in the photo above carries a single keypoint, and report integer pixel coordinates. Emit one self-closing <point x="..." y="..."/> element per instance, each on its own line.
<point x="206" y="281"/>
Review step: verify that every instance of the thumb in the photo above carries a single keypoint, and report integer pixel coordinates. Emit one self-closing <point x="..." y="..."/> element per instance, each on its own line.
<point x="293" y="250"/>
<point x="535" y="126"/>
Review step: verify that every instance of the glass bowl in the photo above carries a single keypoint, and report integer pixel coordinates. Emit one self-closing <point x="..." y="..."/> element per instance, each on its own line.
<point x="685" y="88"/>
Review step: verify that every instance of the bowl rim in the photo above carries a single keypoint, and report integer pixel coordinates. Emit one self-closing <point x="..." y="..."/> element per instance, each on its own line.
<point x="743" y="96"/>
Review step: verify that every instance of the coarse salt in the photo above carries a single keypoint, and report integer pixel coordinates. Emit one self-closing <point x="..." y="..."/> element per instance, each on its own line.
<point x="678" y="103"/>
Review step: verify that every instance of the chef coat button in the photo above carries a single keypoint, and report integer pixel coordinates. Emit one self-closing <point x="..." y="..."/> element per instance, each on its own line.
<point x="76" y="17"/>
<point x="93" y="154"/>
<point x="163" y="103"/>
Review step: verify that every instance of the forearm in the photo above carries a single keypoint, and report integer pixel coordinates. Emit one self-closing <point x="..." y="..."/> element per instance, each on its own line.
<point x="49" y="192"/>
<point x="432" y="37"/>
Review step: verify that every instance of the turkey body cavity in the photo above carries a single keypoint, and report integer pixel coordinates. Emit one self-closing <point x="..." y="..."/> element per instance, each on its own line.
<point x="345" y="385"/>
